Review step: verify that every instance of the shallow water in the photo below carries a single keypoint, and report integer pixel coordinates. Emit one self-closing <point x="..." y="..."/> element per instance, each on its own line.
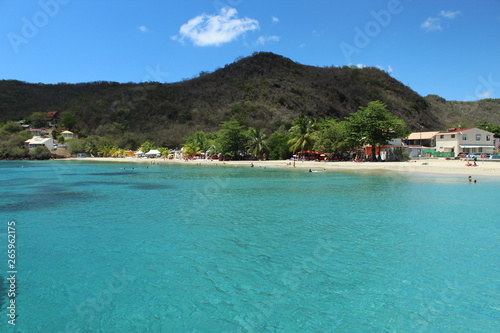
<point x="140" y="248"/>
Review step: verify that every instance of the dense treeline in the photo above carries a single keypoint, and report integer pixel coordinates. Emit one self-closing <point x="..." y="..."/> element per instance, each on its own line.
<point x="371" y="125"/>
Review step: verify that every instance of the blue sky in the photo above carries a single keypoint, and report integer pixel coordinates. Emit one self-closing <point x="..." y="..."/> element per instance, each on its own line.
<point x="448" y="48"/>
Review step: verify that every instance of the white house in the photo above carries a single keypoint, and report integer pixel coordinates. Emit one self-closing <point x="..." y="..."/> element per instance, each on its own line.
<point x="37" y="141"/>
<point x="470" y="140"/>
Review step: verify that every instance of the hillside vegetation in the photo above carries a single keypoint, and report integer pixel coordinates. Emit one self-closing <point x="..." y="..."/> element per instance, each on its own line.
<point x="465" y="114"/>
<point x="264" y="91"/>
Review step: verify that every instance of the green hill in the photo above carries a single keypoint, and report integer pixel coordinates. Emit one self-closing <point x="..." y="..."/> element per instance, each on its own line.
<point x="465" y="114"/>
<point x="265" y="90"/>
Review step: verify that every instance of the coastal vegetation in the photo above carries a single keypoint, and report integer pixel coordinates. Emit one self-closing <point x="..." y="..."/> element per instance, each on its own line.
<point x="372" y="124"/>
<point x="264" y="106"/>
<point x="12" y="137"/>
<point x="264" y="91"/>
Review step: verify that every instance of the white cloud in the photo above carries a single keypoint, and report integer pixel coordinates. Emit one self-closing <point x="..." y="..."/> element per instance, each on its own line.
<point x="450" y="14"/>
<point x="434" y="23"/>
<point x="214" y="30"/>
<point x="431" y="24"/>
<point x="275" y="19"/>
<point x="263" y="39"/>
<point x="142" y="28"/>
<point x="389" y="69"/>
<point x="485" y="94"/>
<point x="360" y="66"/>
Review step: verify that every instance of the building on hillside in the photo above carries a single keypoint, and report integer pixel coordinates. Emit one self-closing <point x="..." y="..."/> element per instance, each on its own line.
<point x="67" y="135"/>
<point x="37" y="141"/>
<point x="422" y="139"/>
<point x="54" y="117"/>
<point x="465" y="141"/>
<point x="37" y="131"/>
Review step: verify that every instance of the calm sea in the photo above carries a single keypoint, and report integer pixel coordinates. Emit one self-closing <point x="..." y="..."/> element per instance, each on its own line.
<point x="145" y="248"/>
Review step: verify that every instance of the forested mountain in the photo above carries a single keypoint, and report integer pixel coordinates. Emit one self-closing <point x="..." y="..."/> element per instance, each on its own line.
<point x="264" y="90"/>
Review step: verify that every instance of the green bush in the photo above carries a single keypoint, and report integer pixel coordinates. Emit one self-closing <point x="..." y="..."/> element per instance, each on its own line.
<point x="40" y="153"/>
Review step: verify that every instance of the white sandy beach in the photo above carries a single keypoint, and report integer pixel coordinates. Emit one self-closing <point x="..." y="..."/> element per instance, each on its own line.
<point x="430" y="166"/>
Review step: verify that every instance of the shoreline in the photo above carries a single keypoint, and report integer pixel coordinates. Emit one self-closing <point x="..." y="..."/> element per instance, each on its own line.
<point x="427" y="166"/>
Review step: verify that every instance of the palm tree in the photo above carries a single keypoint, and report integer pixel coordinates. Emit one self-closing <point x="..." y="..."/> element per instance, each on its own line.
<point x="256" y="144"/>
<point x="165" y="152"/>
<point x="191" y="149"/>
<point x="146" y="146"/>
<point x="303" y="134"/>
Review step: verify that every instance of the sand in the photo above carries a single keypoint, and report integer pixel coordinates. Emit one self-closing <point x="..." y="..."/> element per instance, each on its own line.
<point x="427" y="166"/>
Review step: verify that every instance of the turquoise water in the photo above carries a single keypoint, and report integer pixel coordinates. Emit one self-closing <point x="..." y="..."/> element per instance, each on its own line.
<point x="148" y="248"/>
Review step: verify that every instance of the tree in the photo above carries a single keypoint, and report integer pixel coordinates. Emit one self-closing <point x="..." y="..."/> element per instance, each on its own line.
<point x="257" y="145"/>
<point x="333" y="137"/>
<point x="374" y="125"/>
<point x="191" y="149"/>
<point x="39" y="119"/>
<point x="40" y="153"/>
<point x="76" y="146"/>
<point x="95" y="145"/>
<point x="303" y="134"/>
<point x="12" y="143"/>
<point x="147" y="146"/>
<point x="231" y="139"/>
<point x="68" y="120"/>
<point x="495" y="129"/>
<point x="200" y="140"/>
<point x="11" y="127"/>
<point x="279" y="149"/>
<point x="165" y="152"/>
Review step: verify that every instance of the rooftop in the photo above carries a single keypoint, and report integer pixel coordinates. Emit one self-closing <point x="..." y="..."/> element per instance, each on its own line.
<point x="422" y="135"/>
<point x="37" y="140"/>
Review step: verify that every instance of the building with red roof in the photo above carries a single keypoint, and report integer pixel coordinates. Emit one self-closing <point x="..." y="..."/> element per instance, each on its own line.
<point x="465" y="141"/>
